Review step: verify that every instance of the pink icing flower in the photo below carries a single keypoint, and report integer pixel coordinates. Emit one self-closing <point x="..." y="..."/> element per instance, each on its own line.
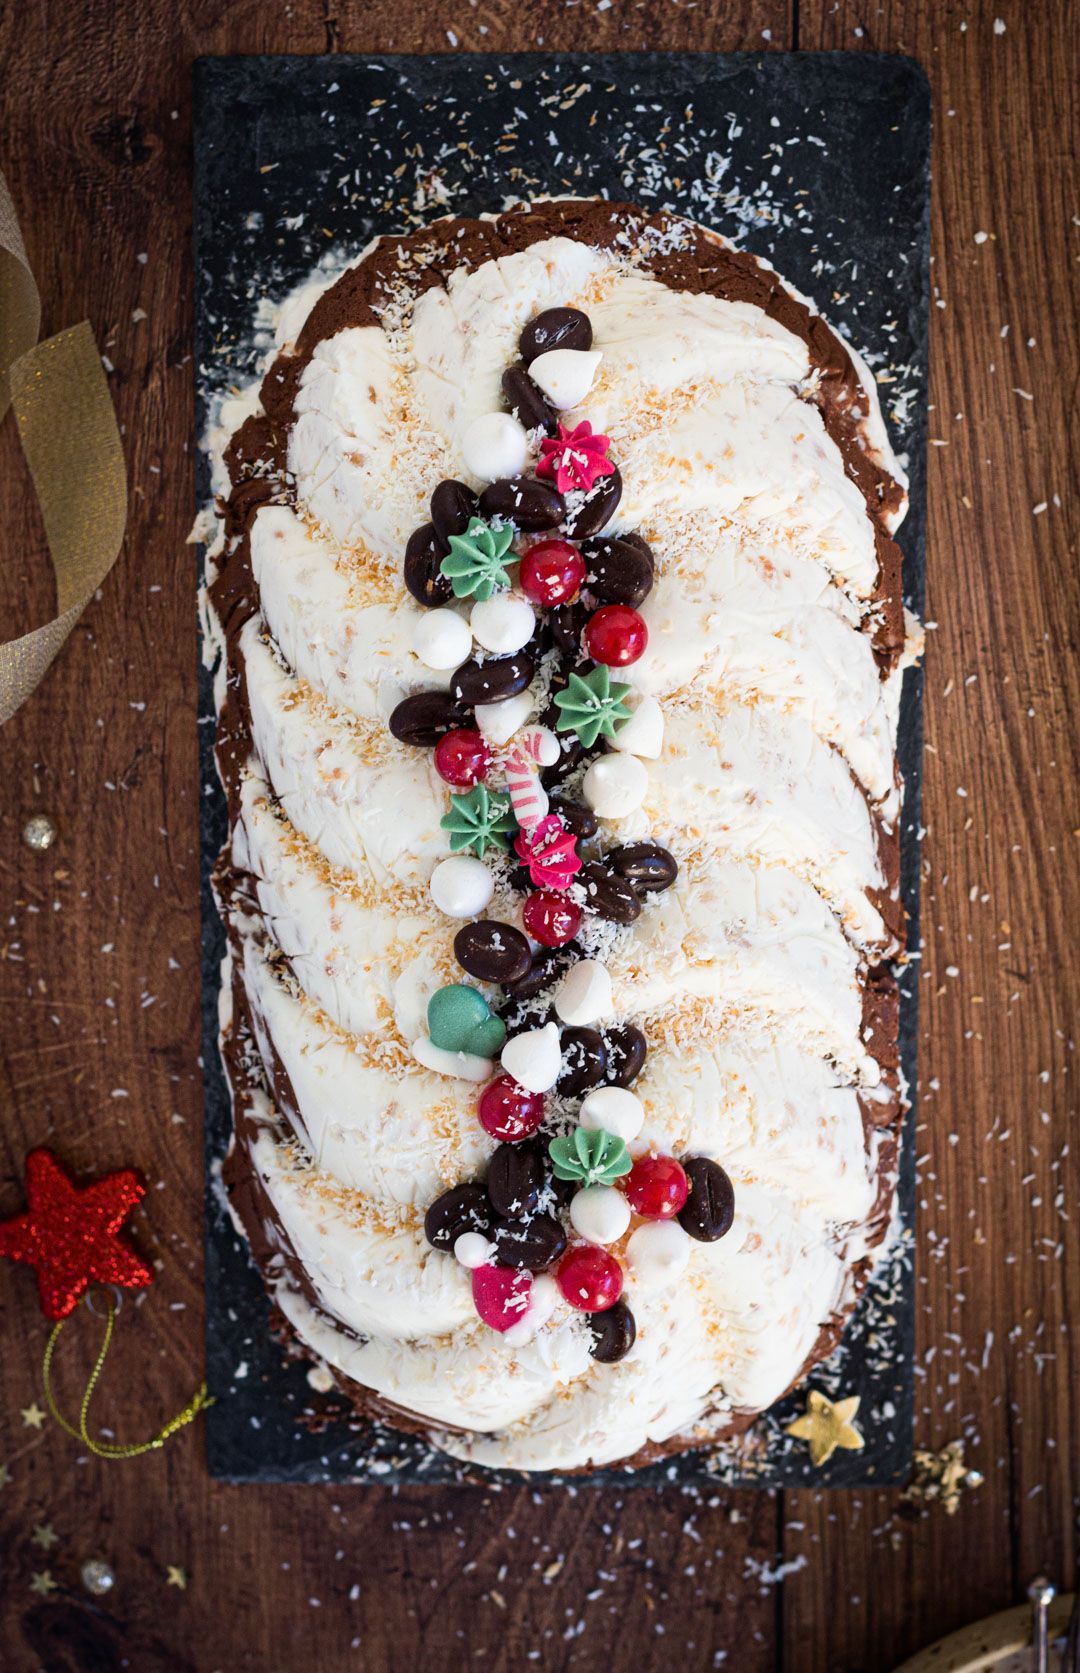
<point x="575" y="459"/>
<point x="548" y="851"/>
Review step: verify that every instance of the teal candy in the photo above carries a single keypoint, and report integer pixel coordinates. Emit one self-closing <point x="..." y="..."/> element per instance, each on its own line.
<point x="460" y="1019"/>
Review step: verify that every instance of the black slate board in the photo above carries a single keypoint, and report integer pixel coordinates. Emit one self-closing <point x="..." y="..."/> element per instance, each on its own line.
<point x="819" y="162"/>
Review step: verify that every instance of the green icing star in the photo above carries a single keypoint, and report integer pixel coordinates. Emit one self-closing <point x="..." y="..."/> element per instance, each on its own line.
<point x="476" y="562"/>
<point x="479" y="821"/>
<point x="592" y="705"/>
<point x="594" y="1158"/>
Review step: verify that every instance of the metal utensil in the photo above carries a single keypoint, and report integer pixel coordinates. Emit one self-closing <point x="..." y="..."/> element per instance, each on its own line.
<point x="1042" y="1595"/>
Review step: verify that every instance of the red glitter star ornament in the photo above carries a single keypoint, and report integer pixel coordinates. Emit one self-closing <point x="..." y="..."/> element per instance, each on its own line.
<point x="575" y="458"/>
<point x="72" y="1236"/>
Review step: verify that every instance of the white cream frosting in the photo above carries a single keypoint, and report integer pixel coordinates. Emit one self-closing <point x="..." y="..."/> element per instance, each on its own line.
<point x="778" y="738"/>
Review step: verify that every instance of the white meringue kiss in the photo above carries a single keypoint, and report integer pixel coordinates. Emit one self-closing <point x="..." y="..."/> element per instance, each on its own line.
<point x="599" y="1213"/>
<point x="502" y="623"/>
<point x="584" y="994"/>
<point x="613" y="1109"/>
<point x="615" y="785"/>
<point x="499" y="721"/>
<point x="643" y="733"/>
<point x="494" y="445"/>
<point x="657" y="1253"/>
<point x="461" y="886"/>
<point x="565" y="375"/>
<point x="534" y="1059"/>
<point x="442" y="640"/>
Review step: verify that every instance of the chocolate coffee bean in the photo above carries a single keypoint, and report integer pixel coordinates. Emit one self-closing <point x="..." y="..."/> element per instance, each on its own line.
<point x="465" y="1208"/>
<point x="525" y="501"/>
<point x="555" y="328"/>
<point x="493" y="952"/>
<point x="609" y="895"/>
<point x="423" y="718"/>
<point x="645" y="865"/>
<point x="709" y="1210"/>
<point x="423" y="577"/>
<point x="532" y="1244"/>
<point x="493" y="679"/>
<point x="626" y="1051"/>
<point x="452" y="505"/>
<point x="613" y="1332"/>
<point x="576" y="817"/>
<point x="529" y="405"/>
<point x="584" y="1061"/>
<point x="515" y="1178"/>
<point x="595" y="510"/>
<point x="567" y="624"/>
<point x="618" y="568"/>
<point x="546" y="968"/>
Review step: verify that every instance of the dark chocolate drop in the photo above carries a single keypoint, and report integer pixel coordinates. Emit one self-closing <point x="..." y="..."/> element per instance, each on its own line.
<point x="547" y="966"/>
<point x="555" y="328"/>
<point x="423" y="718"/>
<point x="576" y="817"/>
<point x="492" y="951"/>
<point x="525" y="501"/>
<point x="465" y="1208"/>
<point x="531" y="1244"/>
<point x="492" y="680"/>
<point x="567" y="624"/>
<point x="709" y="1210"/>
<point x="423" y="577"/>
<point x="452" y="505"/>
<point x="614" y="1333"/>
<point x="584" y="1061"/>
<point x="590" y="514"/>
<point x="626" y="1053"/>
<point x="618" y="568"/>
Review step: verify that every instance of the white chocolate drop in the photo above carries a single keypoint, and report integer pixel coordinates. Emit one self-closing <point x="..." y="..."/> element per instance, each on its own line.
<point x="599" y="1213"/>
<point x="494" y="445"/>
<point x="643" y="733"/>
<point x="534" y="1059"/>
<point x="441" y="639"/>
<point x="584" y="994"/>
<point x="503" y="623"/>
<point x="657" y="1253"/>
<point x="565" y="375"/>
<point x="612" y="1109"/>
<point x="615" y="785"/>
<point x="461" y="886"/>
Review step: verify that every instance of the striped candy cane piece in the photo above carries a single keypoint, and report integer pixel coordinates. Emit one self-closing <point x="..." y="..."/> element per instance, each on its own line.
<point x="528" y="798"/>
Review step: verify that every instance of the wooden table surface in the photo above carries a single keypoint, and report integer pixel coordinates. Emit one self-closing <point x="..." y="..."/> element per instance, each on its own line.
<point x="99" y="946"/>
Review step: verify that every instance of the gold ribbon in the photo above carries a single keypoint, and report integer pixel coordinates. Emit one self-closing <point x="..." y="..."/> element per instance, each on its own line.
<point x="67" y="426"/>
<point x="104" y="1449"/>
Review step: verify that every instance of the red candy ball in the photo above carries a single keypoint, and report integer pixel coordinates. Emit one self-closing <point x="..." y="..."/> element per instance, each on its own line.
<point x="551" y="919"/>
<point x="590" y="1278"/>
<point x="462" y="757"/>
<point x="501" y="1295"/>
<point x="616" y="635"/>
<point x="551" y="572"/>
<point x="507" y="1111"/>
<point x="656" y="1187"/>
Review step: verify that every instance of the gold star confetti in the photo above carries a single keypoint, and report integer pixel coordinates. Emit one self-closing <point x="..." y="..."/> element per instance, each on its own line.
<point x="42" y="1583"/>
<point x="176" y="1577"/>
<point x="44" y="1535"/>
<point x="33" y="1416"/>
<point x="5" y="1475"/>
<point x="941" y="1477"/>
<point x="826" y="1425"/>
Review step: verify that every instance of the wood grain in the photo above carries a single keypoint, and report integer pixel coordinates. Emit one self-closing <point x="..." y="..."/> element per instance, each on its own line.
<point x="99" y="944"/>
